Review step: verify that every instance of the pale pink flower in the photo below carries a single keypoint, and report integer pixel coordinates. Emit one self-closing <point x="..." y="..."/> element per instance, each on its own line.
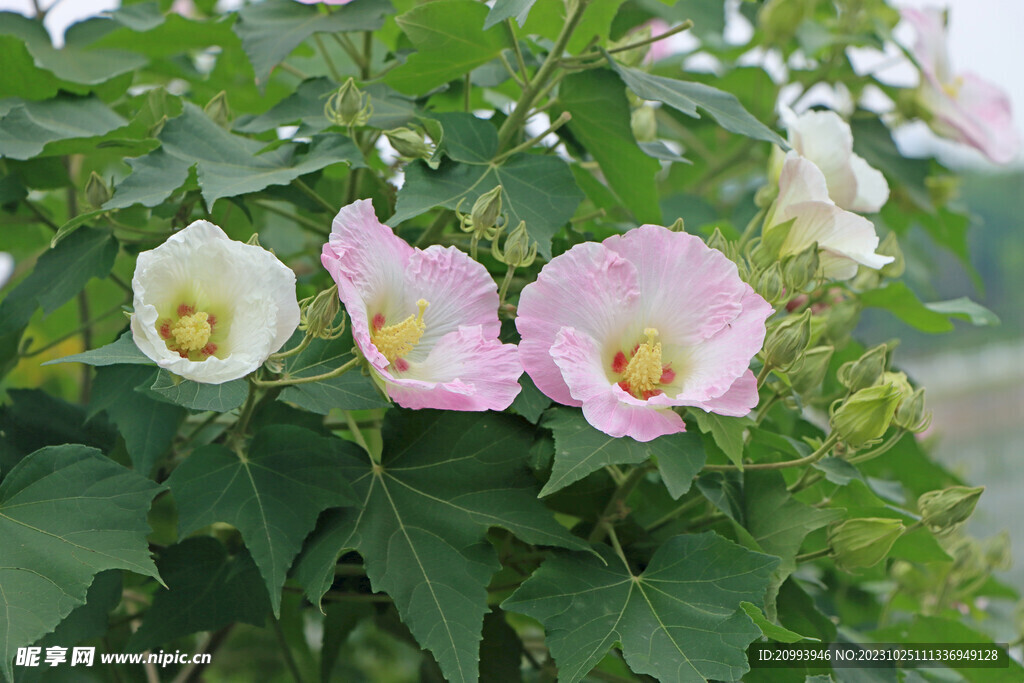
<point x="640" y="323"/>
<point x="844" y="238"/>
<point x="961" y="107"/>
<point x="826" y="139"/>
<point x="425" y="319"/>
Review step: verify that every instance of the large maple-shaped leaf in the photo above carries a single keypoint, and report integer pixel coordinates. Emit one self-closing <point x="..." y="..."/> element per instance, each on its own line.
<point x="66" y="513"/>
<point x="445" y="478"/>
<point x="272" y="496"/>
<point x="678" y="620"/>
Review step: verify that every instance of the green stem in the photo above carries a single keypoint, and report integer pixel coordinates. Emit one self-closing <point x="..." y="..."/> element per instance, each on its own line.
<point x="686" y="25"/>
<point x="364" y="68"/>
<point x="335" y="74"/>
<point x="763" y="375"/>
<point x="806" y="557"/>
<point x="286" y="651"/>
<point x="511" y="71"/>
<point x="290" y="381"/>
<point x="41" y="216"/>
<point x="812" y="458"/>
<point x="350" y="49"/>
<point x="558" y="123"/>
<point x="357" y="434"/>
<point x="78" y="330"/>
<point x="517" y="118"/>
<point x="621" y="494"/>
<point x="515" y="48"/>
<point x="303" y="222"/>
<point x="503" y="292"/>
<point x="238" y="432"/>
<point x="312" y="194"/>
<point x="299" y="348"/>
<point x="802" y="483"/>
<point x="614" y="538"/>
<point x="875" y="452"/>
<point x="748" y="231"/>
<point x="285" y="66"/>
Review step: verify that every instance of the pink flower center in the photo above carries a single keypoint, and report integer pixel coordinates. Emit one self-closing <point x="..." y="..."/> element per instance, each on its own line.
<point x="189" y="333"/>
<point x="643" y="370"/>
<point x="398" y="340"/>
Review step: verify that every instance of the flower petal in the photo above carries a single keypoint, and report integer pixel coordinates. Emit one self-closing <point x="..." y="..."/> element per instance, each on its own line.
<point x="738" y="400"/>
<point x="872" y="188"/>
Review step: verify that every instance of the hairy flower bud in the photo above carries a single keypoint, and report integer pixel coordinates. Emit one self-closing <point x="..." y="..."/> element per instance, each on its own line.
<point x="788" y="340"/>
<point x="519" y="251"/>
<point x="911" y="415"/>
<point x="812" y="373"/>
<point x="319" y="313"/>
<point x="96" y="191"/>
<point x="770" y="283"/>
<point x="218" y="111"/>
<point x="409" y="143"/>
<point x="945" y="509"/>
<point x="865" y="371"/>
<point x="866" y="415"/>
<point x="483" y="221"/>
<point x="801" y="268"/>
<point x="348" y="106"/>
<point x="862" y="543"/>
<point x="644" y="123"/>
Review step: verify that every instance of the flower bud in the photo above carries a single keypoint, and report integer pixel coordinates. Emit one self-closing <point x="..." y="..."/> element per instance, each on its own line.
<point x="801" y="268"/>
<point x="911" y="415"/>
<point x="518" y="251"/>
<point x="890" y="246"/>
<point x="318" y="315"/>
<point x="96" y="191"/>
<point x="788" y="340"/>
<point x="679" y="225"/>
<point x="812" y="373"/>
<point x="635" y="56"/>
<point x="866" y="415"/>
<point x="644" y="123"/>
<point x="718" y="241"/>
<point x="865" y="371"/>
<point x="770" y="283"/>
<point x="945" y="509"/>
<point x="841" y="319"/>
<point x="862" y="543"/>
<point x="348" y="106"/>
<point x="482" y="221"/>
<point x="218" y="111"/>
<point x="409" y="143"/>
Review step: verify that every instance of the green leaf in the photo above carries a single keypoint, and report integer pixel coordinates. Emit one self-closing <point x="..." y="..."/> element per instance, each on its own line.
<point x="838" y="471"/>
<point x="548" y="18"/>
<point x="351" y="391"/>
<point x="227" y="165"/>
<point x="601" y="121"/>
<point x="768" y="628"/>
<point x="450" y="41"/>
<point x="680" y="457"/>
<point x="60" y="273"/>
<point x="530" y="402"/>
<point x="501" y="651"/>
<point x="725" y="491"/>
<point x="26" y="127"/>
<point x="271" y="30"/>
<point x="933" y="317"/>
<point x="123" y="350"/>
<point x="687" y="96"/>
<point x="206" y="590"/>
<point x="147" y="425"/>
<point x="21" y="77"/>
<point x="445" y="478"/>
<point x="679" y="620"/>
<point x="537" y="189"/>
<point x="580" y="449"/>
<point x="272" y="496"/>
<point x="66" y="513"/>
<point x="196" y="396"/>
<point x="508" y="9"/>
<point x="88" y="621"/>
<point x="965" y="309"/>
<point x="726" y="431"/>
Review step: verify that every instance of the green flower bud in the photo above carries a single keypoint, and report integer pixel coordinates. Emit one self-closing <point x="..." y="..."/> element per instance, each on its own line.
<point x="218" y="111"/>
<point x="911" y="415"/>
<point x="348" y="106"/>
<point x="865" y="371"/>
<point x="779" y="19"/>
<point x="635" y="56"/>
<point x="718" y="241"/>
<point x="945" y="509"/>
<point x="801" y="268"/>
<point x="519" y="251"/>
<point x="866" y="415"/>
<point x="96" y="191"/>
<point x="409" y="143"/>
<point x="679" y="225"/>
<point x="319" y="313"/>
<point x="483" y="221"/>
<point x="890" y="246"/>
<point x="770" y="284"/>
<point x="841" y="319"/>
<point x="644" y="123"/>
<point x="788" y="340"/>
<point x="812" y="372"/>
<point x="862" y="543"/>
<point x="997" y="551"/>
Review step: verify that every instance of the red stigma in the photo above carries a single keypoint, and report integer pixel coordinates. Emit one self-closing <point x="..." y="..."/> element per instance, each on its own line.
<point x="652" y="392"/>
<point x="624" y="385"/>
<point x="619" y="363"/>
<point x="378" y="321"/>
<point x="209" y="349"/>
<point x="212" y="320"/>
<point x="165" y="329"/>
<point x="185" y="309"/>
<point x="401" y="364"/>
<point x="667" y="374"/>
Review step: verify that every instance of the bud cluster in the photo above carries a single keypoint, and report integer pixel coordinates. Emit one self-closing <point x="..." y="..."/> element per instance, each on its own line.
<point x="349" y="106"/>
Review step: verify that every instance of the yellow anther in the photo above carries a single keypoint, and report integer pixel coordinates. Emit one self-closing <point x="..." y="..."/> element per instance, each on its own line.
<point x="952" y="88"/>
<point x="396" y="341"/>
<point x="192" y="332"/>
<point x="644" y="370"/>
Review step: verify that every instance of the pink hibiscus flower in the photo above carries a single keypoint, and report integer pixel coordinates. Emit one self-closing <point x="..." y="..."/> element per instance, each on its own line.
<point x="963" y="107"/>
<point x="426" y="320"/>
<point x="640" y="323"/>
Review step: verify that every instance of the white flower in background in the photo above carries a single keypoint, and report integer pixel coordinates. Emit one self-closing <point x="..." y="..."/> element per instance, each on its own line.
<point x="6" y="267"/>
<point x="844" y="238"/>
<point x="825" y="138"/>
<point x="211" y="309"/>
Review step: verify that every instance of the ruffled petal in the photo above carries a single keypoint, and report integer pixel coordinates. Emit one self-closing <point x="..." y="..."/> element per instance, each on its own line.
<point x="466" y="370"/>
<point x="738" y="400"/>
<point x="590" y="288"/>
<point x="642" y="423"/>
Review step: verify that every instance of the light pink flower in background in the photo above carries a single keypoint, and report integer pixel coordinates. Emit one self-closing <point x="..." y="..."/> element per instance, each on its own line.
<point x="825" y="138"/>
<point x="961" y="107"/>
<point x="6" y="267"/>
<point x="844" y="238"/>
<point x="209" y="308"/>
<point x="426" y="320"/>
<point x="640" y="323"/>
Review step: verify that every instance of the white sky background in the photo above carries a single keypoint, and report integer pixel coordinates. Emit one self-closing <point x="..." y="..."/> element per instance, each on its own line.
<point x="984" y="37"/>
